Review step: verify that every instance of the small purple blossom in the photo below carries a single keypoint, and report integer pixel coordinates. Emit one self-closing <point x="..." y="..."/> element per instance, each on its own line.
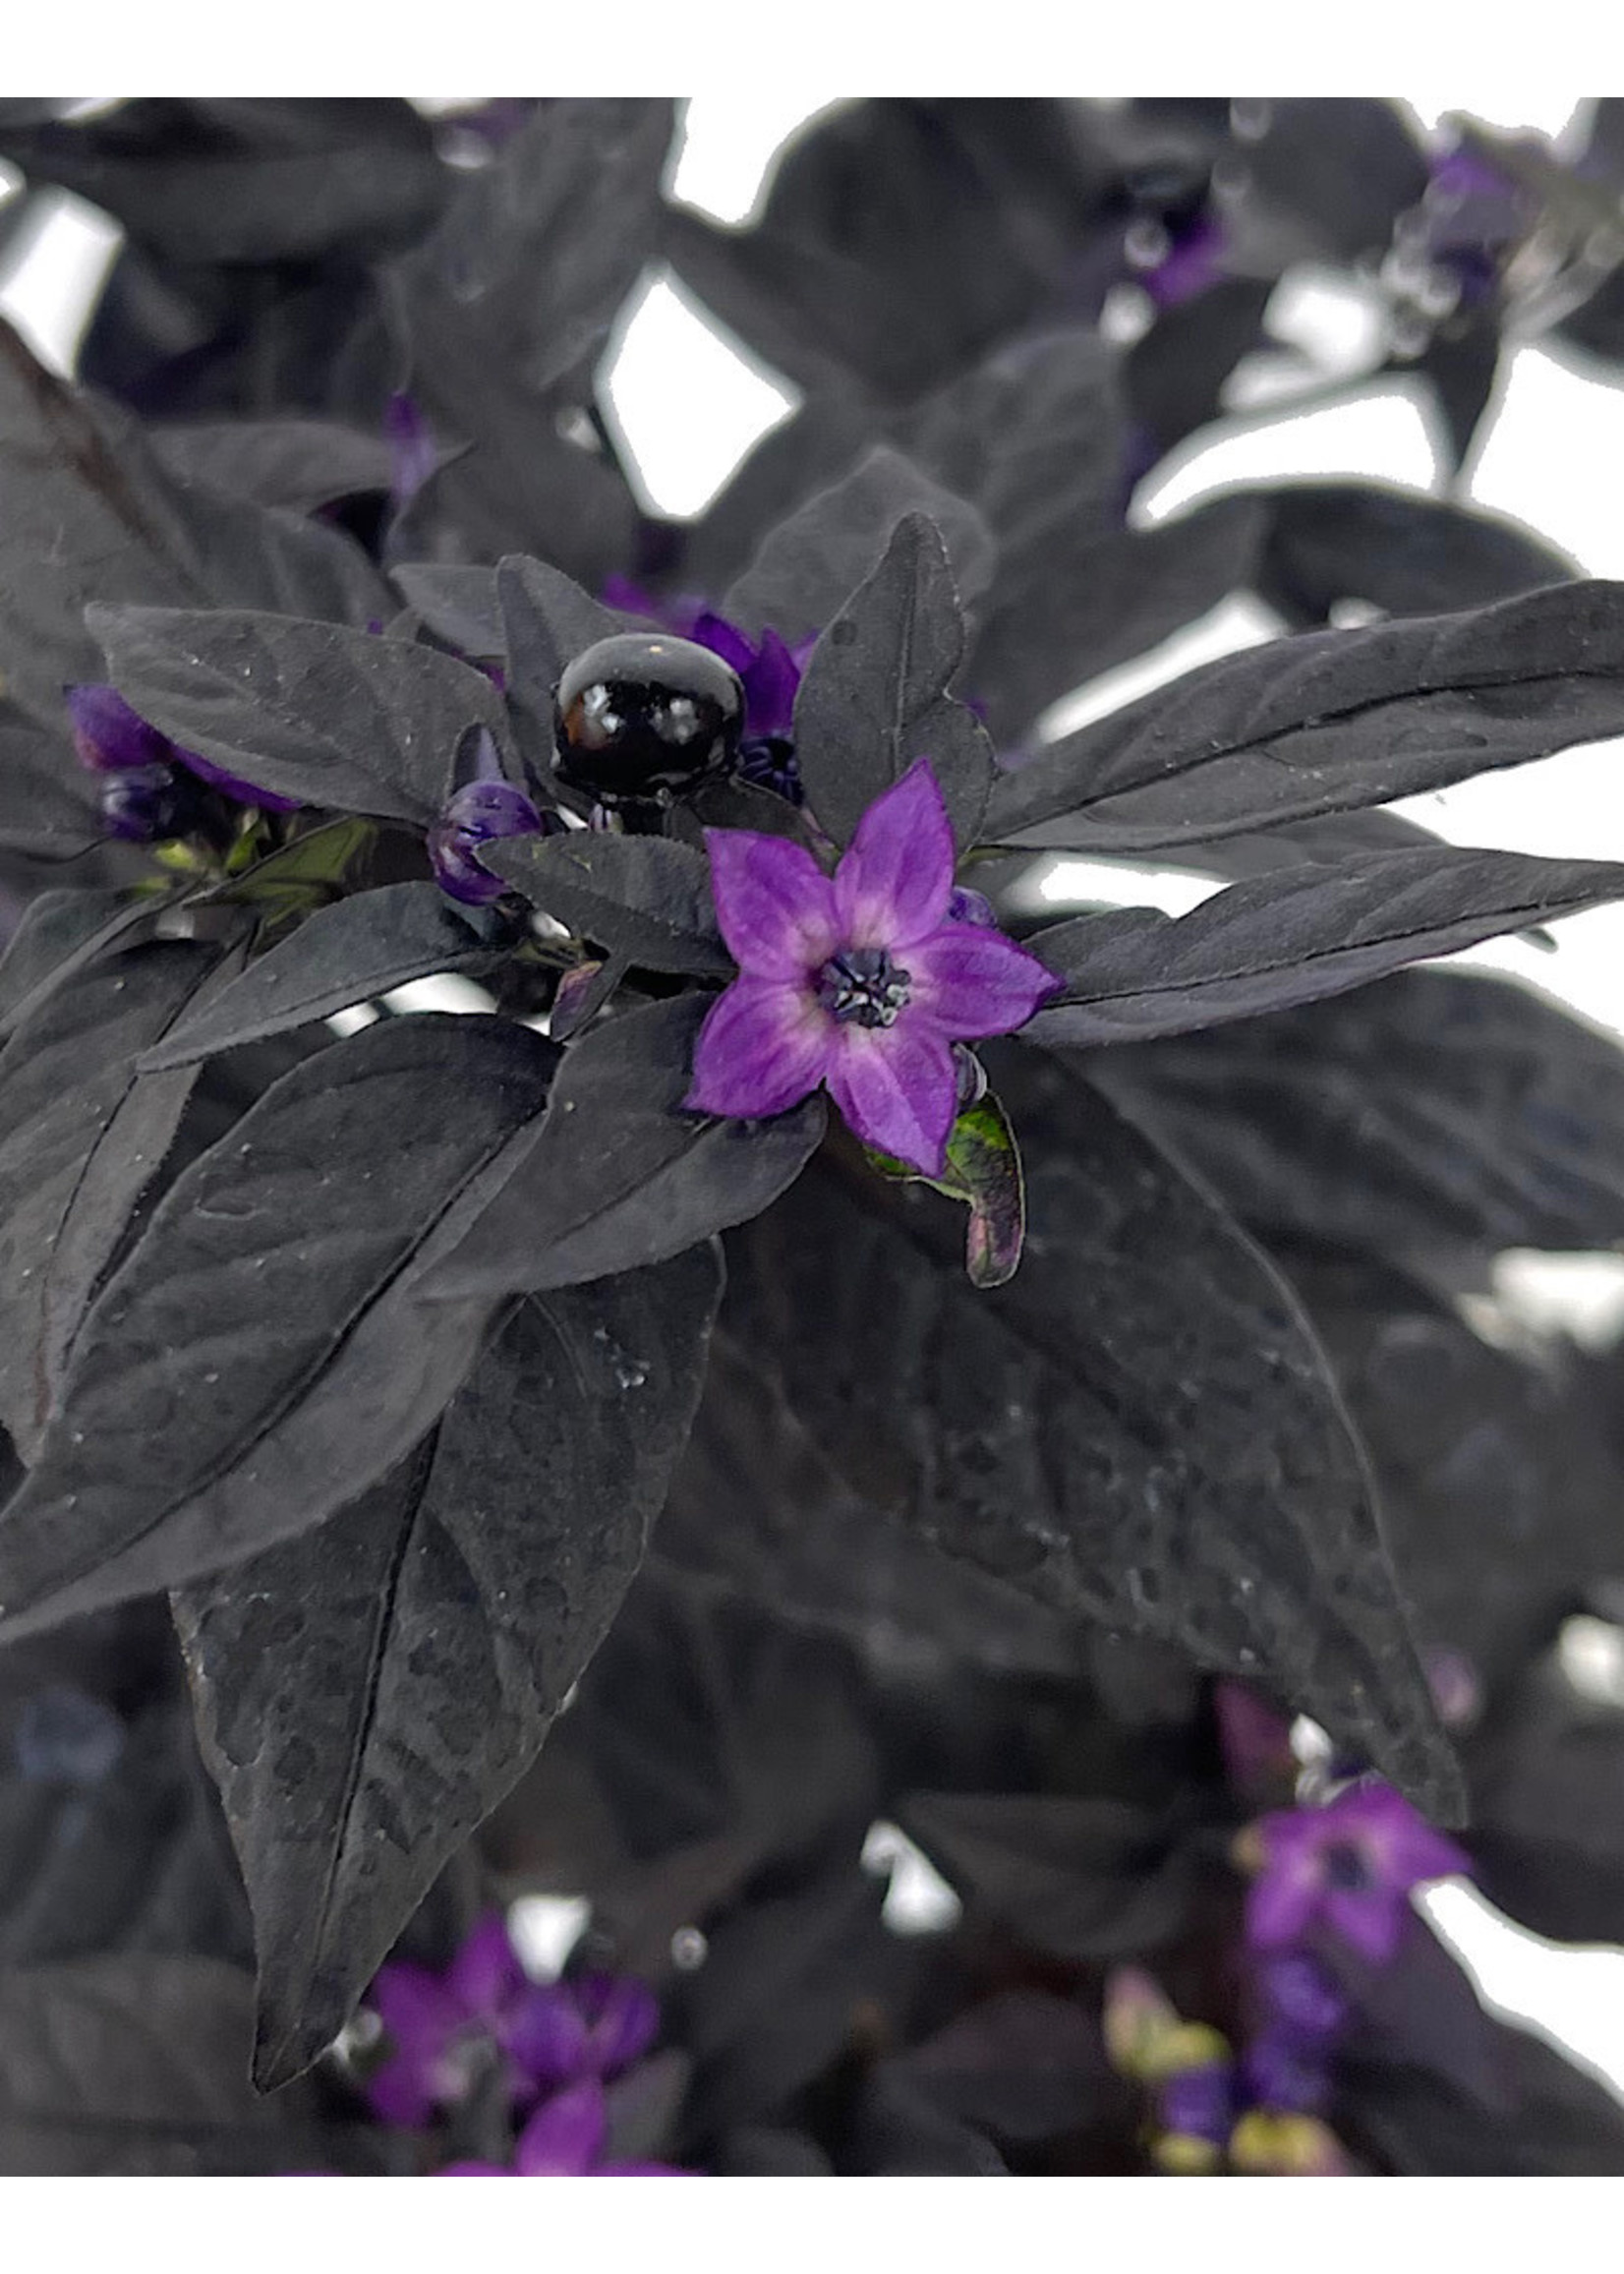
<point x="446" y="2029"/>
<point x="1191" y="264"/>
<point x="563" y="2140"/>
<point x="411" y="451"/>
<point x="1298" y="1995"/>
<point x="1199" y="2103"/>
<point x="1281" y="2073"/>
<point x="478" y="814"/>
<point x="1348" y="1866"/>
<point x="109" y="736"/>
<point x="859" y="981"/>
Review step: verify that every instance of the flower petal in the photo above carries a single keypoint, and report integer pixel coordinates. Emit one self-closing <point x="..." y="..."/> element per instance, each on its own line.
<point x="546" y="2035"/>
<point x="473" y="2170"/>
<point x="764" y="1044"/>
<point x="400" y="2092"/>
<point x="895" y="877"/>
<point x="724" y="639"/>
<point x="771" y="681"/>
<point x="1279" y="1905"/>
<point x="1369" y="1920"/>
<point x="420" y="2012"/>
<point x="623" y="2015"/>
<point x="487" y="1974"/>
<point x="897" y="1087"/>
<point x="773" y="904"/>
<point x="563" y="2138"/>
<point x="970" y="982"/>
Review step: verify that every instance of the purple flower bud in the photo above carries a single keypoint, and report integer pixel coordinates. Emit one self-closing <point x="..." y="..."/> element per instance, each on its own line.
<point x="479" y="813"/>
<point x="109" y="736"/>
<point x="140" y="803"/>
<point x="1199" y="2103"/>
<point x="411" y="448"/>
<point x="1281" y="2073"/>
<point x="1301" y="1995"/>
<point x="968" y="907"/>
<point x="622" y="2017"/>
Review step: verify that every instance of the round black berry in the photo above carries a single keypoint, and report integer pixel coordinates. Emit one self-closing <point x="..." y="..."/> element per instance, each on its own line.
<point x="642" y="716"/>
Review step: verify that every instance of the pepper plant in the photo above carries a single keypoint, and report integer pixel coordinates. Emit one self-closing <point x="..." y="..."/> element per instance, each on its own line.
<point x="803" y="1343"/>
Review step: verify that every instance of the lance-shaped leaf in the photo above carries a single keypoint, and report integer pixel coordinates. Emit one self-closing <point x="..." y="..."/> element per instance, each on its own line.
<point x="619" y="1174"/>
<point x="1296" y="936"/>
<point x="259" y="1361"/>
<point x="206" y="182"/>
<point x="535" y="252"/>
<point x="368" y="1693"/>
<point x="807" y="568"/>
<point x="309" y="710"/>
<point x="137" y="2066"/>
<point x="57" y="935"/>
<point x="90" y="515"/>
<point x="47" y="799"/>
<point x="83" y="1135"/>
<point x="546" y="621"/>
<point x="457" y="601"/>
<point x="1435" y="1111"/>
<point x="1335" y="720"/>
<point x="644" y="898"/>
<point x="1403" y="551"/>
<point x="299" y="463"/>
<point x="1174" y="375"/>
<point x="1139" y="1428"/>
<point x="874" y="694"/>
<point x="1337" y="171"/>
<point x="358" y="947"/>
<point x="1086" y="601"/>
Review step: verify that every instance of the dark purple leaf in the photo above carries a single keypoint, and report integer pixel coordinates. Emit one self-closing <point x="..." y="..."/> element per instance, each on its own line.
<point x="644" y="898"/>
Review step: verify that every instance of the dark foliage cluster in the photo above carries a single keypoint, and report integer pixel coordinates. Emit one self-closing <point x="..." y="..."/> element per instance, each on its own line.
<point x="383" y="1397"/>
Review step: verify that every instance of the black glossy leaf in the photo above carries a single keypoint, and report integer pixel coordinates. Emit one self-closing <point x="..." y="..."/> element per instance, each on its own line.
<point x="1295" y="937"/>
<point x="1089" y="599"/>
<point x="874" y="694"/>
<point x="299" y="463"/>
<point x="57" y="934"/>
<point x="247" y="181"/>
<point x="1497" y="1483"/>
<point x="1139" y="1428"/>
<point x="1403" y="551"/>
<point x="1078" y="1876"/>
<point x="368" y="1692"/>
<point x="259" y="1360"/>
<point x="1547" y="1770"/>
<point x="644" y="898"/>
<point x="807" y="567"/>
<point x="1435" y="1111"/>
<point x="47" y="800"/>
<point x="762" y="1753"/>
<point x="1023" y="2065"/>
<point x="138" y="2067"/>
<point x="1338" y="170"/>
<point x="536" y="250"/>
<point x="457" y="601"/>
<point x="82" y="1134"/>
<point x="1032" y="437"/>
<point x="1173" y="376"/>
<point x="805" y="454"/>
<point x="619" y="1174"/>
<point x="357" y="947"/>
<point x="547" y="619"/>
<point x="1462" y="365"/>
<point x="758" y="1512"/>
<point x="339" y="718"/>
<point x="90" y="515"/>
<point x="1333" y="719"/>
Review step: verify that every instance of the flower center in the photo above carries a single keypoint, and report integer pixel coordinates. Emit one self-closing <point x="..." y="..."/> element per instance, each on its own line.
<point x="1345" y="1866"/>
<point x="862" y="985"/>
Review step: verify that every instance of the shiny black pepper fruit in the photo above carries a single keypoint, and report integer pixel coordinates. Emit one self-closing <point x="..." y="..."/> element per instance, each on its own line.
<point x="640" y="717"/>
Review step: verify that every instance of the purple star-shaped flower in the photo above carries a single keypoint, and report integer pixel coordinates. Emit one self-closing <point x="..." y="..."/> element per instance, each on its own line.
<point x="860" y="980"/>
<point x="443" y="2028"/>
<point x="1348" y="1866"/>
<point x="565" y="2140"/>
